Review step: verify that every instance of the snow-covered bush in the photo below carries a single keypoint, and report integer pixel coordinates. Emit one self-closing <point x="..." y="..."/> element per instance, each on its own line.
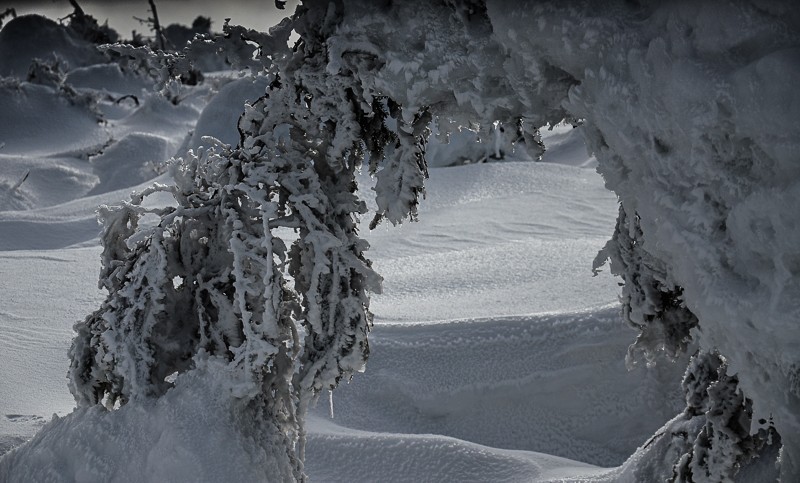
<point x="29" y="37"/>
<point x="724" y="443"/>
<point x="650" y="303"/>
<point x="51" y="74"/>
<point x="200" y="283"/>
<point x="207" y="276"/>
<point x="236" y="47"/>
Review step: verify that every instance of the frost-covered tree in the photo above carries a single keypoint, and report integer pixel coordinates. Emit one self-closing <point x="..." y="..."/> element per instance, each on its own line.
<point x="257" y="262"/>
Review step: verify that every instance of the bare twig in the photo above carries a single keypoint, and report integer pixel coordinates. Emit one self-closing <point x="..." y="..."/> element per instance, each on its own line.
<point x="78" y="10"/>
<point x="128" y="96"/>
<point x="653" y="438"/>
<point x="19" y="183"/>
<point x="156" y="24"/>
<point x="7" y="194"/>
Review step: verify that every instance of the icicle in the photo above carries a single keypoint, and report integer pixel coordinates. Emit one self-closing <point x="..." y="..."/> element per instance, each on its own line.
<point x="498" y="140"/>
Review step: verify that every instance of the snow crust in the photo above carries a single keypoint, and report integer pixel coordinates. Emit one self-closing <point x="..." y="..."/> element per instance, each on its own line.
<point x="530" y="223"/>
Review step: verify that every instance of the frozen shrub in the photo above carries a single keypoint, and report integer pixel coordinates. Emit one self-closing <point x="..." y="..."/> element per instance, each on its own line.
<point x="208" y="277"/>
<point x="651" y="303"/>
<point x="724" y="443"/>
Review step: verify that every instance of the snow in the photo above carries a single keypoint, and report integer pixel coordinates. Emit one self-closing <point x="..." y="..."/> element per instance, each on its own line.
<point x="30" y="134"/>
<point x="469" y="389"/>
<point x="465" y="380"/>
<point x="219" y="119"/>
<point x="500" y="383"/>
<point x="44" y="291"/>
<point x="176" y="438"/>
<point x="531" y="226"/>
<point x="495" y="356"/>
<point x="37" y="37"/>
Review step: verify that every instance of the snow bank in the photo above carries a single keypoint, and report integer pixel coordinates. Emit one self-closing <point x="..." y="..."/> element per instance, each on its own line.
<point x="29" y="37"/>
<point x="193" y="433"/>
<point x="220" y="117"/>
<point x="66" y="128"/>
<point x="554" y="384"/>
<point x="109" y="78"/>
<point x="344" y="455"/>
<point x="132" y="160"/>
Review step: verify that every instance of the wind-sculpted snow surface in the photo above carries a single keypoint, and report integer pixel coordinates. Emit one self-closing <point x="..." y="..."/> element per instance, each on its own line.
<point x="513" y="382"/>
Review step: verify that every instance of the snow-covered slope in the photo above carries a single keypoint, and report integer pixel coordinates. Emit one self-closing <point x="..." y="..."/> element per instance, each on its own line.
<point x="505" y="239"/>
<point x="460" y="358"/>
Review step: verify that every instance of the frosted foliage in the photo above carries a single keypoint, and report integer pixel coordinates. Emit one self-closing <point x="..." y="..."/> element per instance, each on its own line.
<point x="203" y="281"/>
<point x="724" y="443"/>
<point x="518" y="141"/>
<point x="651" y="304"/>
<point x="401" y="182"/>
<point x="208" y="277"/>
<point x="715" y="439"/>
<point x="237" y="46"/>
<point x="446" y="60"/>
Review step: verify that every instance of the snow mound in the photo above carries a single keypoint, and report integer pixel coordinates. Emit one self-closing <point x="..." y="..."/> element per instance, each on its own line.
<point x="566" y="145"/>
<point x="108" y="78"/>
<point x="389" y="457"/>
<point x="67" y="128"/>
<point x="554" y="384"/>
<point x="188" y="435"/>
<point x="220" y="117"/>
<point x="64" y="225"/>
<point x="29" y="37"/>
<point x="130" y="161"/>
<point x="28" y="182"/>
